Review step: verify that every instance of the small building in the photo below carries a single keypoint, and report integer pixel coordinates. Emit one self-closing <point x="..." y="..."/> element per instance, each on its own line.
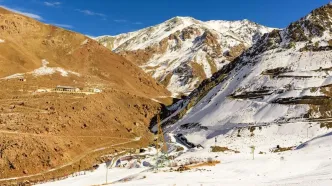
<point x="95" y="90"/>
<point x="66" y="89"/>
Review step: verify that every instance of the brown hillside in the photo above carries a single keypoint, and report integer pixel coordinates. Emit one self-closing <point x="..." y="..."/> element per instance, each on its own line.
<point x="42" y="131"/>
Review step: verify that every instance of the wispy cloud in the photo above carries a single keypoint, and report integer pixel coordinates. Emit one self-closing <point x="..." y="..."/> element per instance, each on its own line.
<point x="19" y="11"/>
<point x="91" y="13"/>
<point x="62" y="25"/>
<point x="137" y="23"/>
<point x="126" y="21"/>
<point x="53" y="4"/>
<point x="120" y="20"/>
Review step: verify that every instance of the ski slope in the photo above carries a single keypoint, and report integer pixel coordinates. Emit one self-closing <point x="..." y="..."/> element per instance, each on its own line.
<point x="310" y="163"/>
<point x="307" y="166"/>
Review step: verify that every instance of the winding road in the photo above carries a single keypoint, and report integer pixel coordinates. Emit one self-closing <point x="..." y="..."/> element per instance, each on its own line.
<point x="77" y="159"/>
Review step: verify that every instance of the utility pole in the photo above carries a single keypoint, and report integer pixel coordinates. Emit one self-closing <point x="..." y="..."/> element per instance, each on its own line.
<point x="253" y="152"/>
<point x="108" y="165"/>
<point x="79" y="167"/>
<point x="106" y="173"/>
<point x="308" y="131"/>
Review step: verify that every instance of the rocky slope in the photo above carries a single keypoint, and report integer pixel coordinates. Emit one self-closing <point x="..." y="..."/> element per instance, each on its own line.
<point x="42" y="130"/>
<point x="282" y="80"/>
<point x="182" y="52"/>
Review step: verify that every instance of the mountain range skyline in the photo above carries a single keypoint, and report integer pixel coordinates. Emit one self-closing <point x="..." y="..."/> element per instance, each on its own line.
<point x="187" y="101"/>
<point x="115" y="17"/>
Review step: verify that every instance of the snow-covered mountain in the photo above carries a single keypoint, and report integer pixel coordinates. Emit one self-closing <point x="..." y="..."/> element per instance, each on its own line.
<point x="182" y="52"/>
<point x="285" y="78"/>
<point x="264" y="119"/>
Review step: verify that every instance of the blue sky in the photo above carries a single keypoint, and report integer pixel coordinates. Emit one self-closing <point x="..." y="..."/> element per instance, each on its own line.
<point x="110" y="17"/>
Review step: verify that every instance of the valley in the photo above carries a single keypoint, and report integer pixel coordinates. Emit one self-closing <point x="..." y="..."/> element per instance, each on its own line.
<point x="184" y="102"/>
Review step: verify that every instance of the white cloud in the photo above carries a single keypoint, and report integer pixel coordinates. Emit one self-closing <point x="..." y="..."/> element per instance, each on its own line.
<point x="120" y="20"/>
<point x="91" y="13"/>
<point x="54" y="4"/>
<point x="62" y="25"/>
<point x="137" y="23"/>
<point x="28" y="14"/>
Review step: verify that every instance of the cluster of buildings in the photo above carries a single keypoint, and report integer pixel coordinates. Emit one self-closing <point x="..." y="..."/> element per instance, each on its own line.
<point x="60" y="88"/>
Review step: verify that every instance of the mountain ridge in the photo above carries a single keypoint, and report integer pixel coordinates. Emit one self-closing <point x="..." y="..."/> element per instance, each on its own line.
<point x="284" y="78"/>
<point x="182" y="51"/>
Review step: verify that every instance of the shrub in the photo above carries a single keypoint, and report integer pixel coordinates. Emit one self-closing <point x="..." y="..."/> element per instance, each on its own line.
<point x="330" y="42"/>
<point x="327" y="125"/>
<point x="282" y="149"/>
<point x="179" y="148"/>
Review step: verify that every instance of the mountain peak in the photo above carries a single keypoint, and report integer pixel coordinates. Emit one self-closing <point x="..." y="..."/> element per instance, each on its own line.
<point x="183" y="20"/>
<point x="183" y="51"/>
<point x="324" y="12"/>
<point x="317" y="24"/>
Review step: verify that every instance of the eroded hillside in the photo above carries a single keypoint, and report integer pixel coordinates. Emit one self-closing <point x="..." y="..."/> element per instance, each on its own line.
<point x="43" y="129"/>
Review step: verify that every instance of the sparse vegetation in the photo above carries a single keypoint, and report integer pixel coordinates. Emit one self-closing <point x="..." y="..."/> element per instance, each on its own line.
<point x="282" y="149"/>
<point x="276" y="71"/>
<point x="179" y="148"/>
<point x="252" y="129"/>
<point x="291" y="45"/>
<point x="222" y="149"/>
<point x="166" y="80"/>
<point x="330" y="42"/>
<point x="212" y="64"/>
<point x="198" y="70"/>
<point x="313" y="89"/>
<point x="182" y="168"/>
<point x="326" y="125"/>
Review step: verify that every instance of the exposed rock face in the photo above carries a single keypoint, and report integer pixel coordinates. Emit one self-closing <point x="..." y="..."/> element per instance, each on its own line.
<point x="162" y="49"/>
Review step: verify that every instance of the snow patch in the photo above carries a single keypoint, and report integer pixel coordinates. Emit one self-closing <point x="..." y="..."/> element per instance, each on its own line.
<point x="14" y="76"/>
<point x="44" y="70"/>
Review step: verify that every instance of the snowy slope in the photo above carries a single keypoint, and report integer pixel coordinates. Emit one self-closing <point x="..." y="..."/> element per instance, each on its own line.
<point x="285" y="77"/>
<point x="309" y="164"/>
<point x="183" y="51"/>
